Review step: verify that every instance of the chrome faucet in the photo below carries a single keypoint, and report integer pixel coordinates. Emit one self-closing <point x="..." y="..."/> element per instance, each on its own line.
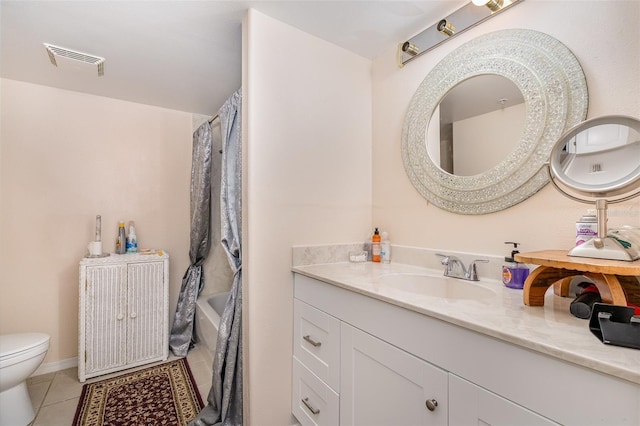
<point x="454" y="268"/>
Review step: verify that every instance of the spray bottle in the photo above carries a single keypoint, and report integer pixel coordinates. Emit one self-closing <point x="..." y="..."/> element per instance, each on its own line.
<point x="121" y="240"/>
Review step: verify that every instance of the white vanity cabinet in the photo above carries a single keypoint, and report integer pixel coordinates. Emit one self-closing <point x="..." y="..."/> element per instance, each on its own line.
<point x="123" y="312"/>
<point x="393" y="361"/>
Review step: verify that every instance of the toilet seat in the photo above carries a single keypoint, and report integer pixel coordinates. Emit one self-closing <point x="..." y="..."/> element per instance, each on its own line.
<point x="15" y="348"/>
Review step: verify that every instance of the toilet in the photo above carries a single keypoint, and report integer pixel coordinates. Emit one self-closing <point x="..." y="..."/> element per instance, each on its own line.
<point x="20" y="356"/>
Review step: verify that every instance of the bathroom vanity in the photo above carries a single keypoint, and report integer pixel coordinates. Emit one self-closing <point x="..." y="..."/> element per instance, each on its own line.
<point x="123" y="316"/>
<point x="399" y="344"/>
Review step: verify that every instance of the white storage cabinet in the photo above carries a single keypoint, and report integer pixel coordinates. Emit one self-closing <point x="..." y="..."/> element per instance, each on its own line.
<point x="123" y="313"/>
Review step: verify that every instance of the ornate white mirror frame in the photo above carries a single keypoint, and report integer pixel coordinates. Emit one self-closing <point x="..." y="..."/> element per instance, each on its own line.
<point x="555" y="93"/>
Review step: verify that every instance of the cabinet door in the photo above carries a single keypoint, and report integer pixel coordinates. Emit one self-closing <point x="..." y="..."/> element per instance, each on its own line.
<point x="105" y="318"/>
<point x="383" y="385"/>
<point x="146" y="322"/>
<point x="470" y="404"/>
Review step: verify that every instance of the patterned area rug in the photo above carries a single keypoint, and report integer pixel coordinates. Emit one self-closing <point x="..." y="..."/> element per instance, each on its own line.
<point x="162" y="395"/>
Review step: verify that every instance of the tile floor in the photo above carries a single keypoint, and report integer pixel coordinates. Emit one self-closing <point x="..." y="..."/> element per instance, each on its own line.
<point x="55" y="396"/>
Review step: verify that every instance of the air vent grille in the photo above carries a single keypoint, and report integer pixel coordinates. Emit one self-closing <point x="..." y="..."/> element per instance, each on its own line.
<point x="62" y="52"/>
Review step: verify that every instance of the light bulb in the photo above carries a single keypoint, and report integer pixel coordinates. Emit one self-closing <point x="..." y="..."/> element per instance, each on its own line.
<point x="493" y="5"/>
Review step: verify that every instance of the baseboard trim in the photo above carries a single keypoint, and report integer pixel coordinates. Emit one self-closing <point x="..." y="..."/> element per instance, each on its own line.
<point x="52" y="367"/>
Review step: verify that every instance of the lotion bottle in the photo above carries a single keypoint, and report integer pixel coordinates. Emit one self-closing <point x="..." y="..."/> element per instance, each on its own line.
<point x="375" y="246"/>
<point x="514" y="273"/>
<point x="385" y="248"/>
<point x="132" y="240"/>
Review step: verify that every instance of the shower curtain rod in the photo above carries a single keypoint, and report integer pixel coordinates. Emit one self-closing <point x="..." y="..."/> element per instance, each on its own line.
<point x="212" y="119"/>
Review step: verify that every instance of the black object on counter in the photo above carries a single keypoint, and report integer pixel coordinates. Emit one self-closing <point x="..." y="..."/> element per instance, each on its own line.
<point x="581" y="305"/>
<point x="615" y="325"/>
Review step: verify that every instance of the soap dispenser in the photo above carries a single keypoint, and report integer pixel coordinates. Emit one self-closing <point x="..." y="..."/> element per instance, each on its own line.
<point x="514" y="273"/>
<point x="375" y="246"/>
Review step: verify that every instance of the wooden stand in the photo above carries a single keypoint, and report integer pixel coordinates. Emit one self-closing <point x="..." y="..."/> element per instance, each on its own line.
<point x="616" y="280"/>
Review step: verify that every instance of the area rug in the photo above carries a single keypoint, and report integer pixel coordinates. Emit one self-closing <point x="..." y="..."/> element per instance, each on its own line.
<point x="165" y="394"/>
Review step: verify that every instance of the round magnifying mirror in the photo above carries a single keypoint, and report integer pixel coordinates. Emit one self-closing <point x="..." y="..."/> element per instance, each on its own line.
<point x="599" y="161"/>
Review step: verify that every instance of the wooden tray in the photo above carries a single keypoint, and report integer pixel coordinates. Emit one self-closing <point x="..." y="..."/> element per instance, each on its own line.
<point x="616" y="280"/>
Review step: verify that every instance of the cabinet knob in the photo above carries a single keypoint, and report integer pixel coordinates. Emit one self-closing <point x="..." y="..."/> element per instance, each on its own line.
<point x="133" y="315"/>
<point x="431" y="404"/>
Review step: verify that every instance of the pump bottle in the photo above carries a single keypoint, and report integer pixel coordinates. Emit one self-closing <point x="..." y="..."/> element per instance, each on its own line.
<point x="375" y="246"/>
<point x="514" y="273"/>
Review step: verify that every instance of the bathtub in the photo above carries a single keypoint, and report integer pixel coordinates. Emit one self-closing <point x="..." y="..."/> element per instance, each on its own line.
<point x="209" y="309"/>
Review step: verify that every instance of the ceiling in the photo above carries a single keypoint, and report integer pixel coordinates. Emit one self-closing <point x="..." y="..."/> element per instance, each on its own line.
<point x="184" y="55"/>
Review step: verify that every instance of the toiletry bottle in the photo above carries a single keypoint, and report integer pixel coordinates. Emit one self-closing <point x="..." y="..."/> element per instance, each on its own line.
<point x="121" y="241"/>
<point x="514" y="273"/>
<point x="132" y="241"/>
<point x="375" y="246"/>
<point x="385" y="248"/>
<point x="586" y="228"/>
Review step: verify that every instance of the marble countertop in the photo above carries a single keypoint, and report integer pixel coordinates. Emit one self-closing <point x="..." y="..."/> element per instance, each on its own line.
<point x="551" y="329"/>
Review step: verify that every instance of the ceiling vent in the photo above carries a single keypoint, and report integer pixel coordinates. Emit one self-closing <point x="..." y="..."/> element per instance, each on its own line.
<point x="73" y="57"/>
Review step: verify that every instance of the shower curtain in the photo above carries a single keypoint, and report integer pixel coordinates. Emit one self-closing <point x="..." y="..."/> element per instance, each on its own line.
<point x="181" y="337"/>
<point x="224" y="402"/>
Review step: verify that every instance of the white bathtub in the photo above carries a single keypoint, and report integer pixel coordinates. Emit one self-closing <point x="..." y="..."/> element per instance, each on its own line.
<point x="208" y="312"/>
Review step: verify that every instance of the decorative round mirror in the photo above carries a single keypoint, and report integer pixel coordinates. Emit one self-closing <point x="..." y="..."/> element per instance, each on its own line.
<point x="599" y="161"/>
<point x="523" y="89"/>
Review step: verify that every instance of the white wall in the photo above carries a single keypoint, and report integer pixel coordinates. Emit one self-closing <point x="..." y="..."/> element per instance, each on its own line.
<point x="307" y="148"/>
<point x="65" y="157"/>
<point x="610" y="57"/>
<point x="483" y="141"/>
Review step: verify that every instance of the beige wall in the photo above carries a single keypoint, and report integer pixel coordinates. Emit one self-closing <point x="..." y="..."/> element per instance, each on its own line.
<point x="307" y="147"/>
<point x="610" y="58"/>
<point x="65" y="157"/>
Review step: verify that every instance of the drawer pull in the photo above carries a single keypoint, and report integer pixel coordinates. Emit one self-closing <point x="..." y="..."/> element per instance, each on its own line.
<point x="310" y="340"/>
<point x="311" y="408"/>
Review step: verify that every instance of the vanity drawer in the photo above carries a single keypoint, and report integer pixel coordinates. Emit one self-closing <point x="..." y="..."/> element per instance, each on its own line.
<point x="316" y="342"/>
<point x="314" y="402"/>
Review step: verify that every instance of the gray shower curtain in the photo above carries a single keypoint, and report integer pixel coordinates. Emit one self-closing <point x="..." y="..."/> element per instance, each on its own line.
<point x="181" y="336"/>
<point x="224" y="402"/>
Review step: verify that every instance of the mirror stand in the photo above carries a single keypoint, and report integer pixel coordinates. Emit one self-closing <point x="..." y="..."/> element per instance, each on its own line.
<point x="604" y="246"/>
<point x="597" y="161"/>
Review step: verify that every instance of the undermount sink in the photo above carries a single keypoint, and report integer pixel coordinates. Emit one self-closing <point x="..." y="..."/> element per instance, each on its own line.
<point x="436" y="286"/>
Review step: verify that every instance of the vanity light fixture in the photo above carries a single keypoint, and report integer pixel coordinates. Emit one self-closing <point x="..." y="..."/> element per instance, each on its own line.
<point x="410" y="49"/>
<point x="466" y="17"/>
<point x="493" y="5"/>
<point x="446" y="27"/>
